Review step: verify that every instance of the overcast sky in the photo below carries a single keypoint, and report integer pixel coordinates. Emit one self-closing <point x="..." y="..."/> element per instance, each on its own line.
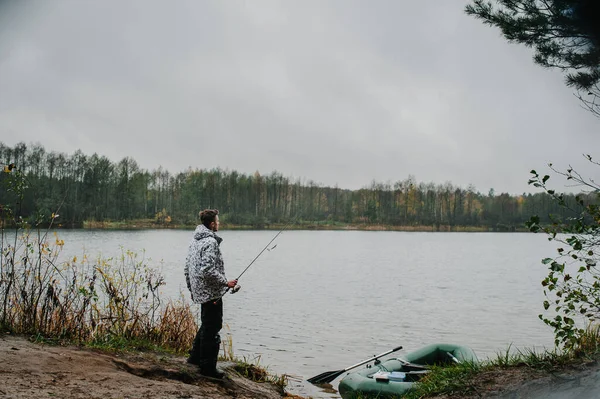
<point x="339" y="92"/>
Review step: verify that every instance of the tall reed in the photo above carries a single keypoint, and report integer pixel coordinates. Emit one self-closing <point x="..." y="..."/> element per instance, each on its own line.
<point x="86" y="300"/>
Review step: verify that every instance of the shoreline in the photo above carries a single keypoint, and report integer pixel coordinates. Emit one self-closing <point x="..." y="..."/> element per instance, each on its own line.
<point x="38" y="370"/>
<point x="150" y="224"/>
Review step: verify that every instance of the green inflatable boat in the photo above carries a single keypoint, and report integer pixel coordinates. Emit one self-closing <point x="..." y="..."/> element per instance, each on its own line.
<point x="394" y="377"/>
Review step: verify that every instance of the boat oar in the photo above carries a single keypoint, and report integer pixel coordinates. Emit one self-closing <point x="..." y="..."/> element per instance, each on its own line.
<point x="329" y="376"/>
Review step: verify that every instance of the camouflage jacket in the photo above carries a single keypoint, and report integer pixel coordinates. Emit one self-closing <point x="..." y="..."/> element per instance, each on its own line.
<point x="204" y="267"/>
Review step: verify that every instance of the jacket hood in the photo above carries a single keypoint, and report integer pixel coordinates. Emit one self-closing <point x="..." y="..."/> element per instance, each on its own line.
<point x="203" y="232"/>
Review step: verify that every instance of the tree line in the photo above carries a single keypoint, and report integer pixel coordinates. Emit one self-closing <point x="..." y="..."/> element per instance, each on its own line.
<point x="94" y="188"/>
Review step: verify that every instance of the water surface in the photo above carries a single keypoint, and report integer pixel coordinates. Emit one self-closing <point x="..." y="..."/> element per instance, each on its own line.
<point x="324" y="300"/>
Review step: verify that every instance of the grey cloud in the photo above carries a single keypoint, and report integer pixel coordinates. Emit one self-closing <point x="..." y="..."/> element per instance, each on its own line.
<point x="337" y="92"/>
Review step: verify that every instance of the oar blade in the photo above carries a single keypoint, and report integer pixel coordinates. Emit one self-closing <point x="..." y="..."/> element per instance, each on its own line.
<point x="329" y="376"/>
<point x="325" y="377"/>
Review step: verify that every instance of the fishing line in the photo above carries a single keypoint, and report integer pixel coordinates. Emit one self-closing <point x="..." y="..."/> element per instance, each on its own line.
<point x="237" y="287"/>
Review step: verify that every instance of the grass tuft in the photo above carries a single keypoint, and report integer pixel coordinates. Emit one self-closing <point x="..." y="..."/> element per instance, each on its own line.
<point x="447" y="380"/>
<point x="251" y="368"/>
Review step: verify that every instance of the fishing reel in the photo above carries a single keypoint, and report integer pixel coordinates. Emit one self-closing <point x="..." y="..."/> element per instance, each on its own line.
<point x="236" y="288"/>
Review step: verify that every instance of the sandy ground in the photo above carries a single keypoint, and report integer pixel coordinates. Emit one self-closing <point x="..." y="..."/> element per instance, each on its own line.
<point x="29" y="370"/>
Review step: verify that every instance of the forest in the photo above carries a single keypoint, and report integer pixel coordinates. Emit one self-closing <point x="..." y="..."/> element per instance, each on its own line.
<point x="84" y="188"/>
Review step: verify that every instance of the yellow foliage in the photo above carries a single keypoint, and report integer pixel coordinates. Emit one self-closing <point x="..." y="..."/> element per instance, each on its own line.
<point x="162" y="217"/>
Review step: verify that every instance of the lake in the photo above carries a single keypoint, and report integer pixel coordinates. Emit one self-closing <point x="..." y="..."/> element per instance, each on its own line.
<point x="325" y="300"/>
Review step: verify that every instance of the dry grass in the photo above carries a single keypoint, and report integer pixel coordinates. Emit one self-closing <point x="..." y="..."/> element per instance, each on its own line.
<point x="251" y="368"/>
<point x="102" y="301"/>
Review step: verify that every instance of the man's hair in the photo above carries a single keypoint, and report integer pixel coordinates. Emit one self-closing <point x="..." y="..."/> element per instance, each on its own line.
<point x="208" y="216"/>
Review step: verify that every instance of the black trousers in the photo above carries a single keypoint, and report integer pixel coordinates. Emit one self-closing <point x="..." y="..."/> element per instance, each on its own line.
<point x="205" y="350"/>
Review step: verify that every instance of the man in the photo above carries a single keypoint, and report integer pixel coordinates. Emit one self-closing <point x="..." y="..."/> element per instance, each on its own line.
<point x="205" y="277"/>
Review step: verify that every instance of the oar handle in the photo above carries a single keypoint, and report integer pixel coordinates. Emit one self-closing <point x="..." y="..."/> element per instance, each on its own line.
<point x="373" y="358"/>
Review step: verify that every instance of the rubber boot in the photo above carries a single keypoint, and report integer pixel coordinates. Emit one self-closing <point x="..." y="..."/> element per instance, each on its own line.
<point x="196" y="351"/>
<point x="209" y="361"/>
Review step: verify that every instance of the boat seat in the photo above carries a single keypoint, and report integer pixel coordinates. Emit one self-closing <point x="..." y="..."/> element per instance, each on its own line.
<point x="414" y="366"/>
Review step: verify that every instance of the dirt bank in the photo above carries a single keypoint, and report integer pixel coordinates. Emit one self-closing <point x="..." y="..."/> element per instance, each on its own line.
<point x="29" y="370"/>
<point x="580" y="380"/>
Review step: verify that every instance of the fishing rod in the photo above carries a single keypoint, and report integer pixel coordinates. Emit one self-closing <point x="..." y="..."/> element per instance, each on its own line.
<point x="237" y="287"/>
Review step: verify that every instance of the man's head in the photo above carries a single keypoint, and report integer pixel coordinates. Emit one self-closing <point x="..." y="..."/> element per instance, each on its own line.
<point x="210" y="219"/>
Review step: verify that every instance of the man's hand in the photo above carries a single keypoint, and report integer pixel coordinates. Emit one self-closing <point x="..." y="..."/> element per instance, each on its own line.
<point x="231" y="283"/>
